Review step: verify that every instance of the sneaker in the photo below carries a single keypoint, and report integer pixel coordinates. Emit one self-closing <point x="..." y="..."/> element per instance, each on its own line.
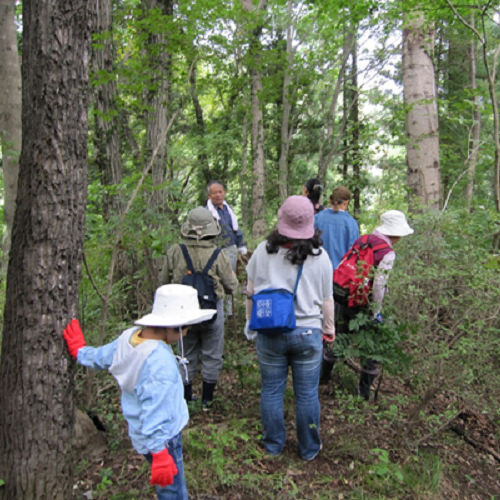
<point x="315" y="455"/>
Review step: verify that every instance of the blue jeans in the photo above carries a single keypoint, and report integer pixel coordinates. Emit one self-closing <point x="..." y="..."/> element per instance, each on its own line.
<point x="177" y="490"/>
<point x="301" y="349"/>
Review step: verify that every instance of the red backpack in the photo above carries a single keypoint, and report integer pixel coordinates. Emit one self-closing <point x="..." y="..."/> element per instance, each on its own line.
<point x="353" y="278"/>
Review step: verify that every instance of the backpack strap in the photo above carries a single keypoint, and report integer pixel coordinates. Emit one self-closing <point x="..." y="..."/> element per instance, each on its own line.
<point x="299" y="274"/>
<point x="360" y="243"/>
<point x="211" y="261"/>
<point x="381" y="246"/>
<point x="187" y="257"/>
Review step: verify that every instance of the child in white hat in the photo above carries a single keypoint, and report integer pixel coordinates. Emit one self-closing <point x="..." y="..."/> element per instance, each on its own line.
<point x="146" y="370"/>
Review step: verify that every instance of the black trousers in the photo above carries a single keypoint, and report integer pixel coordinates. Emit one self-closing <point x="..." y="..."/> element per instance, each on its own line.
<point x="343" y="316"/>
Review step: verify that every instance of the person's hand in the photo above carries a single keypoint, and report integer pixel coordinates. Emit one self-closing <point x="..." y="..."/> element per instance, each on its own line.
<point x="74" y="337"/>
<point x="243" y="250"/>
<point x="378" y="319"/>
<point x="163" y="469"/>
<point x="249" y="334"/>
<point x="329" y="338"/>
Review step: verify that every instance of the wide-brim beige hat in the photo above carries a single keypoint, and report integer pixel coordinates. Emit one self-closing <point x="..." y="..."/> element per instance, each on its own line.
<point x="200" y="223"/>
<point x="394" y="224"/>
<point x="176" y="305"/>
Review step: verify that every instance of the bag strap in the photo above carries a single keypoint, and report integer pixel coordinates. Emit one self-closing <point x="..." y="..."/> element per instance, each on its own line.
<point x="189" y="262"/>
<point x="299" y="274"/>
<point x="381" y="246"/>
<point x="211" y="261"/>
<point x="356" y="247"/>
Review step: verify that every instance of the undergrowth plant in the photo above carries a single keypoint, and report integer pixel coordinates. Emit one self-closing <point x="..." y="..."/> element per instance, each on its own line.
<point x="446" y="286"/>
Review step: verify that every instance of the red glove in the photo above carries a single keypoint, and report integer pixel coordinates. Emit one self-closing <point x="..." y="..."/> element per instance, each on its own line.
<point x="163" y="468"/>
<point x="74" y="337"/>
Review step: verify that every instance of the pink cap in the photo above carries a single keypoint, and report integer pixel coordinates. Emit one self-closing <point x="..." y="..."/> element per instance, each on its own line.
<point x="296" y="218"/>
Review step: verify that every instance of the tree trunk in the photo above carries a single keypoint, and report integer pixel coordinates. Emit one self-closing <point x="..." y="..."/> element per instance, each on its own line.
<point x="356" y="159"/>
<point x="258" y="209"/>
<point x="107" y="138"/>
<point x="157" y="100"/>
<point x="244" y="158"/>
<point x="328" y="144"/>
<point x="345" y="140"/>
<point x="10" y="115"/>
<point x="157" y="103"/>
<point x="476" y="117"/>
<point x="287" y="107"/>
<point x="259" y="225"/>
<point x="200" y="125"/>
<point x="36" y="373"/>
<point x="422" y="148"/>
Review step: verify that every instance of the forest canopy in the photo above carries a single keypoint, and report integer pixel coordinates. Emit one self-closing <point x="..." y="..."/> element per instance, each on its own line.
<point x="129" y="108"/>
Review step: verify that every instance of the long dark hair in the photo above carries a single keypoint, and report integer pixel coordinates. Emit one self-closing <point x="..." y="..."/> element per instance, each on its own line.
<point x="314" y="189"/>
<point x="298" y="250"/>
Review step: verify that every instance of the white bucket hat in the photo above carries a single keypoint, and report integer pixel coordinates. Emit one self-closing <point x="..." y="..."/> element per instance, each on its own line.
<point x="394" y="224"/>
<point x="176" y="305"/>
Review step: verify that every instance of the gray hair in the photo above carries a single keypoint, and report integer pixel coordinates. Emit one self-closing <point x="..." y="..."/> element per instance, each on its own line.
<point x="215" y="183"/>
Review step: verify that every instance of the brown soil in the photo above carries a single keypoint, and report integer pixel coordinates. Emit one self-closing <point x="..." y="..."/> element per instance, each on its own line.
<point x="467" y="447"/>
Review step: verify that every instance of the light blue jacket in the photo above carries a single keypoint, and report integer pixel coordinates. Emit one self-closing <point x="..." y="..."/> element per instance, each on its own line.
<point x="152" y="389"/>
<point x="340" y="231"/>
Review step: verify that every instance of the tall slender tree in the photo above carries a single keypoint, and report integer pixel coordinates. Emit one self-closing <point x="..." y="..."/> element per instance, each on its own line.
<point x="422" y="132"/>
<point x="107" y="138"/>
<point x="259" y="225"/>
<point x="10" y="113"/>
<point x="287" y="108"/>
<point x="475" y="133"/>
<point x="36" y="373"/>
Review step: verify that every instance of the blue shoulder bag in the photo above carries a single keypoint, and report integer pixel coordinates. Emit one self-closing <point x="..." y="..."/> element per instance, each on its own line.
<point x="273" y="310"/>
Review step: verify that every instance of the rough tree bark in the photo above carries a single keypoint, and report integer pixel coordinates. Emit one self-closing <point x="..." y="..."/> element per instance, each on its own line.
<point x="106" y="137"/>
<point x="10" y="114"/>
<point x="287" y="107"/>
<point x="258" y="225"/>
<point x="356" y="157"/>
<point x="200" y="125"/>
<point x="36" y="373"/>
<point x="157" y="101"/>
<point x="422" y="132"/>
<point x="476" y="117"/>
<point x="244" y="161"/>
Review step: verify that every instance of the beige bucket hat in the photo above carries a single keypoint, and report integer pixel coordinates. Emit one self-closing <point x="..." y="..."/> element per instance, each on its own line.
<point x="200" y="223"/>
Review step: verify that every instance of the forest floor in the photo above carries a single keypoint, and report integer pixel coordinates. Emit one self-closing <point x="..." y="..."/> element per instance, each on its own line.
<point x="370" y="449"/>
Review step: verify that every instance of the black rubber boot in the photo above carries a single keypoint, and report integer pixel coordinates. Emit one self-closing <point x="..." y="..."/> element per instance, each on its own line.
<point x="368" y="375"/>
<point x="326" y="371"/>
<point x="207" y="398"/>
<point x="327" y="363"/>
<point x="188" y="393"/>
<point x="365" y="383"/>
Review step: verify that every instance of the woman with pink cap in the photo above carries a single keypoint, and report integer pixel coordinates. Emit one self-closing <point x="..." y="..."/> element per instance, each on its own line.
<point x="275" y="264"/>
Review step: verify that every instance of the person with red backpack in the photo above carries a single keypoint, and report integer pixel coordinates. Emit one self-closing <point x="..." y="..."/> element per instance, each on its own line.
<point x="360" y="282"/>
